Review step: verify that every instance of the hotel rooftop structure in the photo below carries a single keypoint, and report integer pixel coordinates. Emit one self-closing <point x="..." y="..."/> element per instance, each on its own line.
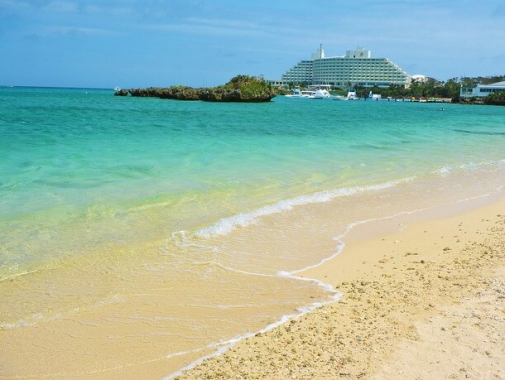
<point x="356" y="67"/>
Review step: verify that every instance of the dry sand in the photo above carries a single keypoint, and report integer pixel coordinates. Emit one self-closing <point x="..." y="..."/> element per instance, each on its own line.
<point x="424" y="303"/>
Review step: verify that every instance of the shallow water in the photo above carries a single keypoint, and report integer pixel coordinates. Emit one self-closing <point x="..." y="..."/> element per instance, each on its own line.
<point x="172" y="226"/>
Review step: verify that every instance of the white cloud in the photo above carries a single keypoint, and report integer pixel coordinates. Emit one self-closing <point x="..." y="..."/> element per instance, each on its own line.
<point x="70" y="30"/>
<point x="211" y="27"/>
<point x="62" y="6"/>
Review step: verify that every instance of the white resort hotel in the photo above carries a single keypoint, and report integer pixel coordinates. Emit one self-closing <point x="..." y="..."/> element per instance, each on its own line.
<point x="356" y="67"/>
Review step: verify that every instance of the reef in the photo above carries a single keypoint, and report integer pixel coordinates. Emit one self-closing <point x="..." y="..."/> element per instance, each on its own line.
<point x="241" y="88"/>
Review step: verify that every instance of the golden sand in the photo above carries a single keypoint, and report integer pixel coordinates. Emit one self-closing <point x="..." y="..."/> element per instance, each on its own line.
<point x="424" y="303"/>
<point x="423" y="297"/>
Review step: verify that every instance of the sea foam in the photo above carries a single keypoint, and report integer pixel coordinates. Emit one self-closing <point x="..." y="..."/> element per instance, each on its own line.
<point x="226" y="225"/>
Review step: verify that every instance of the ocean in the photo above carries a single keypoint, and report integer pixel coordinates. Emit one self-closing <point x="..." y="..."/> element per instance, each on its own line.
<point x="168" y="230"/>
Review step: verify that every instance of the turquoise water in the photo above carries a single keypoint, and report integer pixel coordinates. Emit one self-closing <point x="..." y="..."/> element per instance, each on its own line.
<point x="84" y="174"/>
<point x="73" y="158"/>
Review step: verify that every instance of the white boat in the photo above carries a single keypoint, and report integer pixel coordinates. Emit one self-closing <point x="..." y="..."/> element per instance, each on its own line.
<point x="322" y="94"/>
<point x="351" y="95"/>
<point x="297" y="93"/>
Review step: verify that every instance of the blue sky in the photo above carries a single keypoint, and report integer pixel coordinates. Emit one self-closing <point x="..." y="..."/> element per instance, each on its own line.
<point x="133" y="43"/>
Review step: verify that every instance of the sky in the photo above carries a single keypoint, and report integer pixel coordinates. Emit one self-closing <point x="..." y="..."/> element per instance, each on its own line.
<point x="204" y="43"/>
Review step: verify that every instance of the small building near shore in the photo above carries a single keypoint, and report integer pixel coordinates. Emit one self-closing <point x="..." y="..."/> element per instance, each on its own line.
<point x="481" y="90"/>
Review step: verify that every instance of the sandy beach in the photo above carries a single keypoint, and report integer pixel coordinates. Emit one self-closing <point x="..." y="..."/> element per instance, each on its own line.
<point x="426" y="301"/>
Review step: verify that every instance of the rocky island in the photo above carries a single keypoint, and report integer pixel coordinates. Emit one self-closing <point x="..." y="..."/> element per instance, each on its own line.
<point x="241" y="88"/>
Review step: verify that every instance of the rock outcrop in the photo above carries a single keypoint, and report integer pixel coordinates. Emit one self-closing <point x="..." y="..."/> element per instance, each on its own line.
<point x="240" y="89"/>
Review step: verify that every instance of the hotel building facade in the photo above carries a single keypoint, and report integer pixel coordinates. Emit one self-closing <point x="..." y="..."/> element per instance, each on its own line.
<point x="356" y="67"/>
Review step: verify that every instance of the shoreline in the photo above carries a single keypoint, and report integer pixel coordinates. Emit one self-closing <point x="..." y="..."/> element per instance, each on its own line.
<point x="123" y="279"/>
<point x="409" y="304"/>
<point x="305" y="333"/>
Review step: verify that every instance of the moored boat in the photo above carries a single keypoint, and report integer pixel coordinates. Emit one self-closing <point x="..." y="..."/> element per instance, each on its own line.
<point x="351" y="95"/>
<point x="322" y="94"/>
<point x="297" y="93"/>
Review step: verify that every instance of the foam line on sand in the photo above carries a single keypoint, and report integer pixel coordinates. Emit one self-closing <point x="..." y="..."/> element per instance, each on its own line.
<point x="424" y="303"/>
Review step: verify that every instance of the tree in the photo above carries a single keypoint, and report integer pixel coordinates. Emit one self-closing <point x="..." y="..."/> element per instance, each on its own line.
<point x="450" y="89"/>
<point x="496" y="99"/>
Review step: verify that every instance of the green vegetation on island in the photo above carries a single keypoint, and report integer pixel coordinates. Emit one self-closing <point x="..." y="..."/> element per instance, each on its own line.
<point x="431" y="88"/>
<point x="244" y="88"/>
<point x="426" y="88"/>
<point x="496" y="99"/>
<point x="241" y="88"/>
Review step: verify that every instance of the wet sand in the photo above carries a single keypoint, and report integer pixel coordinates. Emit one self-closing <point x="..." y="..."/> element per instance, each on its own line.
<point x="427" y="302"/>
